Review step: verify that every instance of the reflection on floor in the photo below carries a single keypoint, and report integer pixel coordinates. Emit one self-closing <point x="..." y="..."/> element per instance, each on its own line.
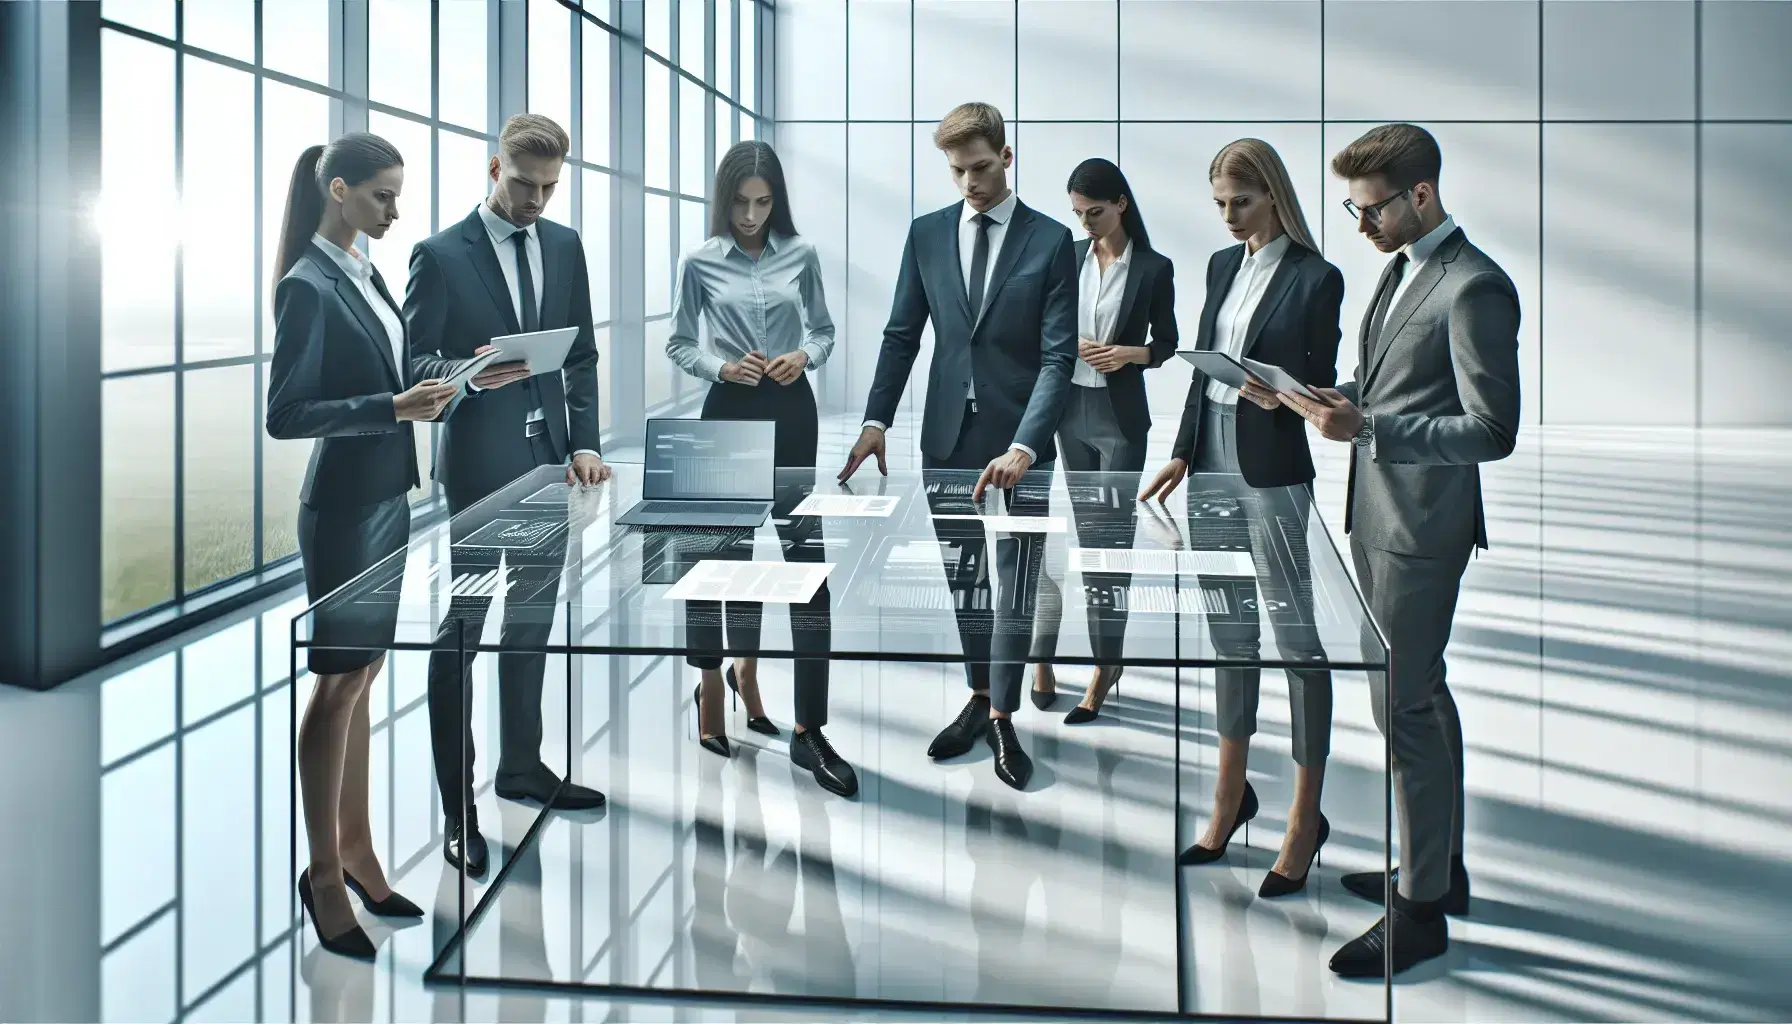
<point x="1620" y="659"/>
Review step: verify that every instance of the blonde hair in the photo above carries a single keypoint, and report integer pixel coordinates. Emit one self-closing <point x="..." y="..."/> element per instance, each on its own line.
<point x="969" y="121"/>
<point x="533" y="135"/>
<point x="1256" y="164"/>
<point x="1404" y="154"/>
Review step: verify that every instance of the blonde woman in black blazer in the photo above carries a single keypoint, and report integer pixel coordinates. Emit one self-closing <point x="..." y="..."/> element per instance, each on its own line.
<point x="1275" y="299"/>
<point x="338" y="375"/>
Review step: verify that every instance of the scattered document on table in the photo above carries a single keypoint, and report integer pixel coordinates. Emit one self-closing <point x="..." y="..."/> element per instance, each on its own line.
<point x="720" y="579"/>
<point x="846" y="505"/>
<point x="1018" y="524"/>
<point x="1162" y="563"/>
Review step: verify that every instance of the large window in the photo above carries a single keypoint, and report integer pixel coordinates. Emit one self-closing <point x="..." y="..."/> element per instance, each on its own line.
<point x="205" y="109"/>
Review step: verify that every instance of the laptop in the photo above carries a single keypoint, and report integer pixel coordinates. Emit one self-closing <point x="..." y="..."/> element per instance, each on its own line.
<point x="706" y="473"/>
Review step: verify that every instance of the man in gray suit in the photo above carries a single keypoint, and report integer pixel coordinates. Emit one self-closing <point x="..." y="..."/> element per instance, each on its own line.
<point x="1435" y="395"/>
<point x="998" y="282"/>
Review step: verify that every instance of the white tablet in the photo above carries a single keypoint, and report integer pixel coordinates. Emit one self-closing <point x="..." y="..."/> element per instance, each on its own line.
<point x="471" y="368"/>
<point x="1278" y="378"/>
<point x="544" y="351"/>
<point x="1234" y="372"/>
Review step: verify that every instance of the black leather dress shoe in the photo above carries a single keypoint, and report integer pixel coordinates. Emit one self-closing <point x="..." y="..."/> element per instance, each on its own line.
<point x="1013" y="766"/>
<point x="955" y="740"/>
<point x="1415" y="942"/>
<point x="1368" y="885"/>
<point x="465" y="837"/>
<point x="539" y="785"/>
<point x="811" y="750"/>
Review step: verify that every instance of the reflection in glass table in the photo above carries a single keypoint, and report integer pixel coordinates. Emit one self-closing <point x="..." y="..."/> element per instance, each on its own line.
<point x="1065" y="569"/>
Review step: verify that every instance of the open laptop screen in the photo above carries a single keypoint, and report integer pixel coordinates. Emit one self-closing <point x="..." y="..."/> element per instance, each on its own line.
<point x="710" y="460"/>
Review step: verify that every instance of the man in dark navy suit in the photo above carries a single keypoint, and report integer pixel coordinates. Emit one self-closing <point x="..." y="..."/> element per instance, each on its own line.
<point x="998" y="282"/>
<point x="504" y="270"/>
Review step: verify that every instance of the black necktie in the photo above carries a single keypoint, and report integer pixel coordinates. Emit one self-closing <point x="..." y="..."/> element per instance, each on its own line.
<point x="979" y="263"/>
<point x="525" y="283"/>
<point x="1384" y="298"/>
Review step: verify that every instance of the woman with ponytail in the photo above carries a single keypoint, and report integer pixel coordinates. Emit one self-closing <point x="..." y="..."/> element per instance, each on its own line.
<point x="1126" y="324"/>
<point x="1272" y="298"/>
<point x="339" y="376"/>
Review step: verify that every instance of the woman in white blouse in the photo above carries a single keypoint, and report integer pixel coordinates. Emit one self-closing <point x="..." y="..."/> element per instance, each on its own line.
<point x="1275" y="299"/>
<point x="340" y="374"/>
<point x="1126" y="324"/>
<point x="756" y="284"/>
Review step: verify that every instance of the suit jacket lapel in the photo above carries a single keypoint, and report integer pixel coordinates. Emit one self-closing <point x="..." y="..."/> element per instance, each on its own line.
<point x="485" y="261"/>
<point x="357" y="304"/>
<point x="404" y="372"/>
<point x="1210" y="310"/>
<point x="1280" y="283"/>
<point x="948" y="236"/>
<point x="1129" y="295"/>
<point x="1414" y="296"/>
<point x="556" y="283"/>
<point x="1020" y="226"/>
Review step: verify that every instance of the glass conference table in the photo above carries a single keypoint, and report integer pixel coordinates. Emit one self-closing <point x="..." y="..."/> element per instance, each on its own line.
<point x="740" y="881"/>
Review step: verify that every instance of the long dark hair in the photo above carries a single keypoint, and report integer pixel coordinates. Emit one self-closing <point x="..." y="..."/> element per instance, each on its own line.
<point x="1100" y="180"/>
<point x="749" y="159"/>
<point x="354" y="158"/>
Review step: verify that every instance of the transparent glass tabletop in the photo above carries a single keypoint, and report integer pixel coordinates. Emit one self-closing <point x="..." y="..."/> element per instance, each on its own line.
<point x="1063" y="568"/>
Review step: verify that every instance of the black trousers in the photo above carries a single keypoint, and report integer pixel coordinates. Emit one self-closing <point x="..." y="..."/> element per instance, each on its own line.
<point x="792" y="407"/>
<point x="528" y="621"/>
<point x="994" y="592"/>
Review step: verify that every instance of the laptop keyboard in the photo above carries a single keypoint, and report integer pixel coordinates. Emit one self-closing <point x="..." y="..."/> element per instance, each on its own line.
<point x="682" y="508"/>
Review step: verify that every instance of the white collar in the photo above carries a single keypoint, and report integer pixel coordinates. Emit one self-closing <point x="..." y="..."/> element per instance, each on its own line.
<point x="1420" y="250"/>
<point x="1124" y="260"/>
<point x="1272" y="252"/>
<point x="500" y="229"/>
<point x="729" y="244"/>
<point x="353" y="264"/>
<point x="1000" y="213"/>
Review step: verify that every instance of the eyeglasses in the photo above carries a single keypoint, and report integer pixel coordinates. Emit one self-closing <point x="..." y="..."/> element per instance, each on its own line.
<point x="1373" y="210"/>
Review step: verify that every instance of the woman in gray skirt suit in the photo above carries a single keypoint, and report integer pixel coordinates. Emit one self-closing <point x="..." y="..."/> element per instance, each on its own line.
<point x="338" y="375"/>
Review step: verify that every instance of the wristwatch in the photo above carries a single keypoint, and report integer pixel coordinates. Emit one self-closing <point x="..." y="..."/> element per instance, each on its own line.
<point x="1365" y="436"/>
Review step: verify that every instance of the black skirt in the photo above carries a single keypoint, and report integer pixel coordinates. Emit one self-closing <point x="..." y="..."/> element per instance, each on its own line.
<point x="338" y="544"/>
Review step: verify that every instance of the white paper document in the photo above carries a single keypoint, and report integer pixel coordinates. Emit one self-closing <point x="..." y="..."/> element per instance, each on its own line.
<point x="1162" y="563"/>
<point x="1018" y="524"/>
<point x="716" y="579"/>
<point x="846" y="505"/>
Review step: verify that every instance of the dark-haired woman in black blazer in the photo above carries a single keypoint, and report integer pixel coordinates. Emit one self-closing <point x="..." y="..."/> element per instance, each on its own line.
<point x="1276" y="300"/>
<point x="1126" y="324"/>
<point x="338" y="375"/>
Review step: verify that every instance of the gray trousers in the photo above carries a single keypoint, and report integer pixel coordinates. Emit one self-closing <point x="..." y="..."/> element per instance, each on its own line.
<point x="1414" y="600"/>
<point x="1284" y="585"/>
<point x="1090" y="441"/>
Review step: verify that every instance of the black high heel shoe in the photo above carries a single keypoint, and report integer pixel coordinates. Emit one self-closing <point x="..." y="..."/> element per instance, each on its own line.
<point x="761" y="725"/>
<point x="1247" y="809"/>
<point x="717" y="745"/>
<point x="1080" y="715"/>
<point x="353" y="943"/>
<point x="392" y="906"/>
<point x="1277" y="884"/>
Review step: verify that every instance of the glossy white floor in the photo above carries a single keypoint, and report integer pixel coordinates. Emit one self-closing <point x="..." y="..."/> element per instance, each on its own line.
<point x="1620" y="658"/>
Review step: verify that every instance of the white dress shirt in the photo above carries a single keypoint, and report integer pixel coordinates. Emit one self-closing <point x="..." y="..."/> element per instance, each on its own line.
<point x="1098" y="295"/>
<point x="1000" y="214"/>
<point x="500" y="232"/>
<point x="1232" y="325"/>
<point x="1417" y="252"/>
<point x="360" y="270"/>
<point x="774" y="305"/>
